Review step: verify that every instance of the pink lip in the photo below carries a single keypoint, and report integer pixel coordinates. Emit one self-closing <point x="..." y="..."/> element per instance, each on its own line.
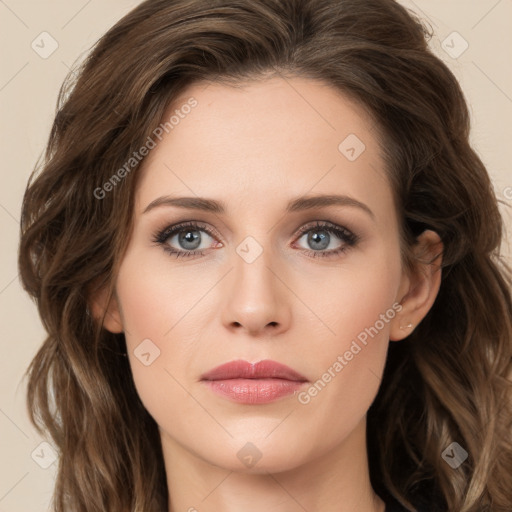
<point x="257" y="383"/>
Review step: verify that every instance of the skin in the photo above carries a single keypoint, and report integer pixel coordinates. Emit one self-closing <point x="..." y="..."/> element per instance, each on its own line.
<point x="255" y="148"/>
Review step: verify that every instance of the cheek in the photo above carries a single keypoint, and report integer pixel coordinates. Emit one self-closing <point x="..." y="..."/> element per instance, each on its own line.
<point x="349" y="299"/>
<point x="162" y="319"/>
<point x="357" y="306"/>
<point x="158" y="298"/>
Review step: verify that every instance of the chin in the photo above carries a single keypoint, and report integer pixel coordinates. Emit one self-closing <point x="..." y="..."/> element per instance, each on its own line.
<point x="270" y="461"/>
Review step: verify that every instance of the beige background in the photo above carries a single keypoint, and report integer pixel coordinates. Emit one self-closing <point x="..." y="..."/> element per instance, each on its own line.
<point x="28" y="91"/>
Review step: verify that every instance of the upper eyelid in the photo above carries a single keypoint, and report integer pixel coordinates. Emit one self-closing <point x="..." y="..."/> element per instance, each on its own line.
<point x="322" y="224"/>
<point x="172" y="229"/>
<point x="176" y="228"/>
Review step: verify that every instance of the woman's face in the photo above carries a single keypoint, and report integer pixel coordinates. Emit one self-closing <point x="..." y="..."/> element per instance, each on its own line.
<point x="268" y="273"/>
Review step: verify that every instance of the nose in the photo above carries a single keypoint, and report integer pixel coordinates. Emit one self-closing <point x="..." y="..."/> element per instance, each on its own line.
<point x="257" y="298"/>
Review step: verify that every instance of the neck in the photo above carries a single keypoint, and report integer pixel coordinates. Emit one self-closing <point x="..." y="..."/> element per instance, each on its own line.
<point x="336" y="480"/>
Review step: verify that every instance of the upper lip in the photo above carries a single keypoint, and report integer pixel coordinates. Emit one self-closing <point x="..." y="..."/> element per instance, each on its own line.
<point x="241" y="369"/>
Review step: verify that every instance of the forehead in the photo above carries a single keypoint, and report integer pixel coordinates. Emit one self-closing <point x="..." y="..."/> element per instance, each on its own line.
<point x="256" y="142"/>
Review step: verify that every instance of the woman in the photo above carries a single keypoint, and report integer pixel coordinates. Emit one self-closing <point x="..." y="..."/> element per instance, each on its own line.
<point x="241" y="205"/>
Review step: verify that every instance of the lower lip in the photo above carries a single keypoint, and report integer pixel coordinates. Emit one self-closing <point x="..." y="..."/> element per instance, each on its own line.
<point x="254" y="391"/>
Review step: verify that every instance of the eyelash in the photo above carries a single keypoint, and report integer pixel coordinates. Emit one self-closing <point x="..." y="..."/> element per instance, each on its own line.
<point x="346" y="236"/>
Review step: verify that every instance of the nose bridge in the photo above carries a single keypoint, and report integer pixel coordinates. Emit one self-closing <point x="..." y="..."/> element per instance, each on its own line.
<point x="256" y="301"/>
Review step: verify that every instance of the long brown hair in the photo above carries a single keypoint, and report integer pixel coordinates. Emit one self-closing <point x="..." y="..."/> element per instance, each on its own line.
<point x="449" y="382"/>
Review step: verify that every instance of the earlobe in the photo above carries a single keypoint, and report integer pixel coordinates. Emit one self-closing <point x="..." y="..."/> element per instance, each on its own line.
<point x="422" y="286"/>
<point x="104" y="302"/>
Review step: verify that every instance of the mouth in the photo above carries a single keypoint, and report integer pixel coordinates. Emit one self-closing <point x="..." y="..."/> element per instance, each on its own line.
<point x="259" y="383"/>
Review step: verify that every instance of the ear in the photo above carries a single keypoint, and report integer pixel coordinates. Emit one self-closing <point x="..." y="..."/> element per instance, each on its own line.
<point x="103" y="302"/>
<point x="419" y="288"/>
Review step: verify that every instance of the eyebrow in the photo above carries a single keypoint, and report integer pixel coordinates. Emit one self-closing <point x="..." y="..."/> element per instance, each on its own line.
<point x="295" y="205"/>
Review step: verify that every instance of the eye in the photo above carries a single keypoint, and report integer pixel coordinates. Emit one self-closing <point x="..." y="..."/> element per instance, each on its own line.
<point x="190" y="238"/>
<point x="185" y="239"/>
<point x="320" y="236"/>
